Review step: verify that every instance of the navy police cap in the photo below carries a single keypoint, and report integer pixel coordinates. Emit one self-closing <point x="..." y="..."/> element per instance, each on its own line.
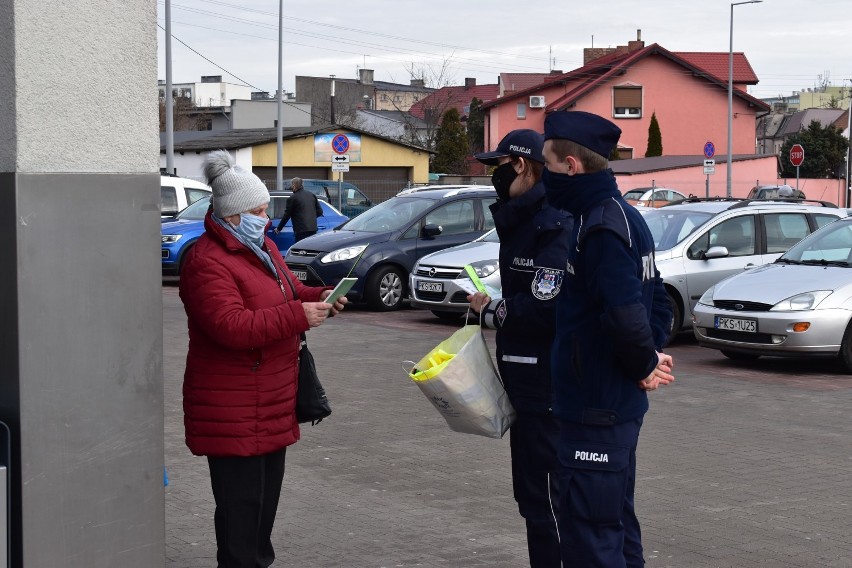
<point x="586" y="129"/>
<point x="525" y="143"/>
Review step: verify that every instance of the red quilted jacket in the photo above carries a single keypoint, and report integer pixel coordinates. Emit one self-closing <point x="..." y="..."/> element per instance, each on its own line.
<point x="239" y="388"/>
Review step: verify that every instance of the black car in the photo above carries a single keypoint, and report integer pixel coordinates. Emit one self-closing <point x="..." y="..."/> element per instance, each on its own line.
<point x="381" y="245"/>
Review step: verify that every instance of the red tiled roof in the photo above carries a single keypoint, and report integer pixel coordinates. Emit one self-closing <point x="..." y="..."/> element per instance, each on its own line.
<point x="589" y="76"/>
<point x="716" y="64"/>
<point x="456" y="97"/>
<point x="519" y="81"/>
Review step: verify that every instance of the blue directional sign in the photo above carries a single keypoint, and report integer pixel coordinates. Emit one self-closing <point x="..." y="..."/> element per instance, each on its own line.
<point x="340" y="144"/>
<point x="709" y="150"/>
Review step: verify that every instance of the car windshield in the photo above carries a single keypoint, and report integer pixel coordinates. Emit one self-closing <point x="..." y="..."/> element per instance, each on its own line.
<point x="671" y="226"/>
<point x="830" y="245"/>
<point x="489" y="237"/>
<point x="390" y="215"/>
<point x="635" y="194"/>
<point x="196" y="211"/>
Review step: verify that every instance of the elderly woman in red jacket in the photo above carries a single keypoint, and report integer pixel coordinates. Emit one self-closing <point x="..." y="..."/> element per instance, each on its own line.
<point x="239" y="390"/>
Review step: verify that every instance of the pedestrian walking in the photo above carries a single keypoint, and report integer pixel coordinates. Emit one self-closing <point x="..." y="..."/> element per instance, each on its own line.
<point x="612" y="319"/>
<point x="533" y="250"/>
<point x="304" y="208"/>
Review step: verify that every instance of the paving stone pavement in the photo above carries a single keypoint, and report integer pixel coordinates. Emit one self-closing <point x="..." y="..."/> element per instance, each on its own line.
<point x="733" y="470"/>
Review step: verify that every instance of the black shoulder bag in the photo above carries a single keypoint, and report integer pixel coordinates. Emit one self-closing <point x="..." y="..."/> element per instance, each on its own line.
<point x="311" y="401"/>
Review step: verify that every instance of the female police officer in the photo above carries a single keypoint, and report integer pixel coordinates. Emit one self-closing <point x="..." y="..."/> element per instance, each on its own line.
<point x="533" y="249"/>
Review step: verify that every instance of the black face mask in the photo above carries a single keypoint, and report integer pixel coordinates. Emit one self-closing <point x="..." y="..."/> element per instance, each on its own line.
<point x="502" y="180"/>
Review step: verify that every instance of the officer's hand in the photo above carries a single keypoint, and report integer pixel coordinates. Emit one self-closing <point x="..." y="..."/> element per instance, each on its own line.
<point x="276" y="231"/>
<point x="337" y="307"/>
<point x="478" y="301"/>
<point x="661" y="375"/>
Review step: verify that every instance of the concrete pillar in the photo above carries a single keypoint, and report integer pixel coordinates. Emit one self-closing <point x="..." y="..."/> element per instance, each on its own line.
<point x="81" y="383"/>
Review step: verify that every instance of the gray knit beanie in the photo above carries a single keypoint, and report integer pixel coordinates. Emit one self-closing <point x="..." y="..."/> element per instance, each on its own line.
<point x="235" y="189"/>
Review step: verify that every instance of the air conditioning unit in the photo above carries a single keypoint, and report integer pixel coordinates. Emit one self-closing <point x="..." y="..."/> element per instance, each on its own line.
<point x="537" y="102"/>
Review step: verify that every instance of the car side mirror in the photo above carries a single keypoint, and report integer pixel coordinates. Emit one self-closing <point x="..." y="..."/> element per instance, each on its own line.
<point x="430" y="231"/>
<point x="716" y="252"/>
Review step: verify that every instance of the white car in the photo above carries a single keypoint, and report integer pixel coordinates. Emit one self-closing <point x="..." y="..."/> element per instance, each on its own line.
<point x="177" y="193"/>
<point x="433" y="282"/>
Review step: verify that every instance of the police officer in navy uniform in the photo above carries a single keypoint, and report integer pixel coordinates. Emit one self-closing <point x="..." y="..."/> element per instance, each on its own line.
<point x="612" y="318"/>
<point x="533" y="249"/>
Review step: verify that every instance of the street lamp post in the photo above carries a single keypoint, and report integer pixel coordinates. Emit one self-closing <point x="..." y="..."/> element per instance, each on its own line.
<point x="731" y="93"/>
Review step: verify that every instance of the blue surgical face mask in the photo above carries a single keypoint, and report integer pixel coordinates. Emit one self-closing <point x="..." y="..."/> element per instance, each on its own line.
<point x="251" y="227"/>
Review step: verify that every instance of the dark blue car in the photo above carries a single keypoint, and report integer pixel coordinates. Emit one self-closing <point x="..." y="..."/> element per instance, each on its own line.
<point x="180" y="234"/>
<point x="381" y="245"/>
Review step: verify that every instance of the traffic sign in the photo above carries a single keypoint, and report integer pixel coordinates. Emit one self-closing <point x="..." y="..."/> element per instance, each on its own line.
<point x="340" y="166"/>
<point x="708" y="163"/>
<point x="340" y="144"/>
<point x="797" y="155"/>
<point x="709" y="149"/>
<point x="340" y="159"/>
<point x="709" y="166"/>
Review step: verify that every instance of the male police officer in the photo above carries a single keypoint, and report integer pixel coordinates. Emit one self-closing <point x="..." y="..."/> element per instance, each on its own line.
<point x="611" y="322"/>
<point x="533" y="249"/>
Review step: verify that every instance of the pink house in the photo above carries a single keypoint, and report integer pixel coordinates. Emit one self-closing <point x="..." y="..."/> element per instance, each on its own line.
<point x="688" y="92"/>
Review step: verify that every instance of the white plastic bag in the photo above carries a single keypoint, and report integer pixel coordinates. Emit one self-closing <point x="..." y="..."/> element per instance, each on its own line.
<point x="459" y="379"/>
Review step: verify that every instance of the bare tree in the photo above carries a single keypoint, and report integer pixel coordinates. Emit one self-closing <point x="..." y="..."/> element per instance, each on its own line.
<point x="185" y="115"/>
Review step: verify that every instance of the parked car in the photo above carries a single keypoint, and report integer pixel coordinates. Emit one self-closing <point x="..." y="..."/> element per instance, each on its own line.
<point x="775" y="192"/>
<point x="352" y="203"/>
<point x="798" y="306"/>
<point x="180" y="234"/>
<point x="381" y="245"/>
<point x="177" y="193"/>
<point x="652" y="196"/>
<point x="432" y="283"/>
<point x="416" y="188"/>
<point x="700" y="241"/>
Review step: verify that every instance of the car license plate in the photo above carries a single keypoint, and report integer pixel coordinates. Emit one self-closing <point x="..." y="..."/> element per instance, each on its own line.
<point x="301" y="274"/>
<point x="736" y="324"/>
<point x="430" y="286"/>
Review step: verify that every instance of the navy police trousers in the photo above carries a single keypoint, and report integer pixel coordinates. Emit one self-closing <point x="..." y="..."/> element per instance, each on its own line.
<point x="533" y="438"/>
<point x="597" y="475"/>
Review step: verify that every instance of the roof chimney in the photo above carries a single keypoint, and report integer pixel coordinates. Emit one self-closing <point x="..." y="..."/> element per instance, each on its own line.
<point x="419" y="83"/>
<point x="365" y="76"/>
<point x="469" y="82"/>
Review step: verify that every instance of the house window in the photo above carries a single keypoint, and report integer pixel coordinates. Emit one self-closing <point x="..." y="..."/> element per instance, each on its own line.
<point x="522" y="110"/>
<point x="384" y="97"/>
<point x="627" y="102"/>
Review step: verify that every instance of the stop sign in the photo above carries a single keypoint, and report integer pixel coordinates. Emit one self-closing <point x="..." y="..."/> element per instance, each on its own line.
<point x="797" y="155"/>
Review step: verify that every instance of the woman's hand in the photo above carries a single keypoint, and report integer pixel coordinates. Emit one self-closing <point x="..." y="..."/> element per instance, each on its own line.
<point x="478" y="301"/>
<point x="316" y="312"/>
<point x="337" y="307"/>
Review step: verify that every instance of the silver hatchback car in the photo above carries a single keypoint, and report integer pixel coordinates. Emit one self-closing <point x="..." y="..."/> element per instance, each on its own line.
<point x="433" y="282"/>
<point x="800" y="305"/>
<point x="701" y="241"/>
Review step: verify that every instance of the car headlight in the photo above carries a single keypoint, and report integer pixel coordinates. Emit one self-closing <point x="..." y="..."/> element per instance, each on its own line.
<point x="799" y="302"/>
<point x="171" y="238"/>
<point x="485" y="268"/>
<point x="347" y="253"/>
<point x="706" y="298"/>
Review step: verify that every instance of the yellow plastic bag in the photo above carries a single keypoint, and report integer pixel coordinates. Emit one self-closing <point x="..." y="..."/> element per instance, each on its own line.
<point x="459" y="379"/>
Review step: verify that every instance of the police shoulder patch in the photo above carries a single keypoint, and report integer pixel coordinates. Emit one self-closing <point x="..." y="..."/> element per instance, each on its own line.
<point x="547" y="283"/>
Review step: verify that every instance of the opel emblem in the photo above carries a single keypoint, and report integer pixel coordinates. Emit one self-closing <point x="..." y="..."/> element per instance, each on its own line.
<point x="738" y="306"/>
<point x="432" y="272"/>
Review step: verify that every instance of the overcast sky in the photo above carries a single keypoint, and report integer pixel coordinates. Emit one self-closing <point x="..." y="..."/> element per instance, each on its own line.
<point x="791" y="44"/>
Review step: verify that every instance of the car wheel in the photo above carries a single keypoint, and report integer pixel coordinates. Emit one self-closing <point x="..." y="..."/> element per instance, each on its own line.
<point x="183" y="257"/>
<point x="845" y="354"/>
<point x="737" y="356"/>
<point x="385" y="289"/>
<point x="677" y="320"/>
<point x="448" y="316"/>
